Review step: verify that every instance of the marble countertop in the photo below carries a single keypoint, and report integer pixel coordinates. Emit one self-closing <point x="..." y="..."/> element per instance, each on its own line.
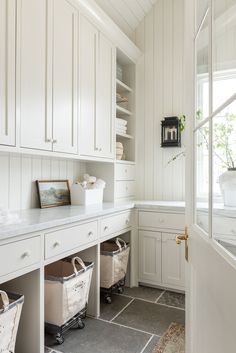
<point x="36" y="219"/>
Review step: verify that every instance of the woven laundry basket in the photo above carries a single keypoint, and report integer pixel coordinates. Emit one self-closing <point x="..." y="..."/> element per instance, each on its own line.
<point x="10" y="313"/>
<point x="67" y="287"/>
<point x="114" y="261"/>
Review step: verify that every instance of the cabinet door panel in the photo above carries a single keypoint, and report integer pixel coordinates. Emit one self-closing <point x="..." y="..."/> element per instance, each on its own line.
<point x="149" y="257"/>
<point x="88" y="71"/>
<point x="33" y="85"/>
<point x="173" y="262"/>
<point x="7" y="69"/>
<point x="105" y="99"/>
<point x="64" y="66"/>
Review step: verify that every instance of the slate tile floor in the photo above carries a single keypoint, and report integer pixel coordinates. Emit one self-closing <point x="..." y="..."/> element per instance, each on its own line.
<point x="133" y="323"/>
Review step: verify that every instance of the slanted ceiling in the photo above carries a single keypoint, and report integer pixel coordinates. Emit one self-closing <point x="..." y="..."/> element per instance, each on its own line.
<point x="127" y="14"/>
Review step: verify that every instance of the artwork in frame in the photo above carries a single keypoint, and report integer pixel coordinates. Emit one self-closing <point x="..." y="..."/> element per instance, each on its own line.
<point x="53" y="193"/>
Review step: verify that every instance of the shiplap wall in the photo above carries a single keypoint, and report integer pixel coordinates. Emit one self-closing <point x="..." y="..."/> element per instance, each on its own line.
<point x="159" y="93"/>
<point x="18" y="174"/>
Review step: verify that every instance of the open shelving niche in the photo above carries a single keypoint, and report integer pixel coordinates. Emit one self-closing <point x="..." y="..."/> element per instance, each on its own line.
<point x="125" y="86"/>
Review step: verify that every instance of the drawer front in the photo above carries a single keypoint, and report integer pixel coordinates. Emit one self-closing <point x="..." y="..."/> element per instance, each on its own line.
<point x="115" y="223"/>
<point x="18" y="255"/>
<point x="221" y="225"/>
<point x="69" y="238"/>
<point x="125" y="172"/>
<point x="125" y="189"/>
<point x="161" y="220"/>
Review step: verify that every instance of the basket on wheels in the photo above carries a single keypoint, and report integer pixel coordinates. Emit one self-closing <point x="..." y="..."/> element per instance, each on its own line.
<point x="10" y="313"/>
<point x="114" y="262"/>
<point x="67" y="284"/>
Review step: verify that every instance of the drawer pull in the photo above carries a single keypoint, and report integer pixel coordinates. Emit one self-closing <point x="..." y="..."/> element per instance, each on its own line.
<point x="106" y="228"/>
<point x="25" y="254"/>
<point x="127" y="221"/>
<point x="126" y="170"/>
<point x="90" y="234"/>
<point x="56" y="244"/>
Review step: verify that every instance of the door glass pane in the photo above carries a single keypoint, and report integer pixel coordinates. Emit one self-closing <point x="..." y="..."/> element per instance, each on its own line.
<point x="202" y="73"/>
<point x="201" y="8"/>
<point x="224" y="178"/>
<point x="202" y="177"/>
<point x="224" y="51"/>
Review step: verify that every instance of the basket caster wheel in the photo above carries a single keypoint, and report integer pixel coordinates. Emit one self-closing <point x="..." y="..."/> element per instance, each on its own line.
<point x="120" y="290"/>
<point x="108" y="300"/>
<point x="80" y="324"/>
<point x="59" y="338"/>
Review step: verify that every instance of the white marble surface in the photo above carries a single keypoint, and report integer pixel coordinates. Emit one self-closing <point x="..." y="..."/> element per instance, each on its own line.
<point x="171" y="206"/>
<point x="36" y="220"/>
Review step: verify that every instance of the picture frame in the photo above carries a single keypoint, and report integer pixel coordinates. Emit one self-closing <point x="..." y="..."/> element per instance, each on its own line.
<point x="53" y="193"/>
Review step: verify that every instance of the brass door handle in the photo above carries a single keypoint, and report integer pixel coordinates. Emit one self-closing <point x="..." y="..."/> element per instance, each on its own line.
<point x="183" y="237"/>
<point x="180" y="238"/>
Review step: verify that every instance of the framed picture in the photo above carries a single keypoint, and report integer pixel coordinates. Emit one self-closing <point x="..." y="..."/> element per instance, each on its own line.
<point x="53" y="193"/>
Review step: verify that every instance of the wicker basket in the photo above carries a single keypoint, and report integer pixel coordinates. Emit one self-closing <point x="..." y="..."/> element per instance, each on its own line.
<point x="114" y="261"/>
<point x="10" y="313"/>
<point x="66" y="289"/>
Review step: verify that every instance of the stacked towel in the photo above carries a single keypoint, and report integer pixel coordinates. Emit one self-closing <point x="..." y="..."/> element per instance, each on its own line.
<point x="121" y="126"/>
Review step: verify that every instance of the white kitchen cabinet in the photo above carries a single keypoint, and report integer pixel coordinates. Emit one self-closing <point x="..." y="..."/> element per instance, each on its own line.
<point x="97" y="87"/>
<point x="47" y="75"/>
<point x="34" y="103"/>
<point x="162" y="261"/>
<point x="173" y="261"/>
<point x="65" y="76"/>
<point x="150" y="257"/>
<point x="105" y="117"/>
<point x="7" y="69"/>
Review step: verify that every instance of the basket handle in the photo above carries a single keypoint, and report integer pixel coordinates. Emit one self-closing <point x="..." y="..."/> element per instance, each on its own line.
<point x="5" y="300"/>
<point x="80" y="261"/>
<point x="118" y="243"/>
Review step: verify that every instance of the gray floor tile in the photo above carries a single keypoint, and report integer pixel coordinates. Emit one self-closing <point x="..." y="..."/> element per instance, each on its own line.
<point x="173" y="299"/>
<point x="141" y="292"/>
<point x="150" y="317"/>
<point x="108" y="311"/>
<point x="103" y="337"/>
<point x="152" y="344"/>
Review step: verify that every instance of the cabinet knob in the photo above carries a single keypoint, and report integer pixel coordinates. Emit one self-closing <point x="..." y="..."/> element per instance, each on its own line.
<point x="106" y="228"/>
<point x="100" y="149"/>
<point x="126" y="170"/>
<point x="127" y="221"/>
<point x="56" y="244"/>
<point x="25" y="254"/>
<point x="96" y="149"/>
<point x="49" y="140"/>
<point x="90" y="234"/>
<point x="54" y="141"/>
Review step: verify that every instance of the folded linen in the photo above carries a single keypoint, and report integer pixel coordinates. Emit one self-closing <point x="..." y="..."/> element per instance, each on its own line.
<point x="121" y="131"/>
<point x="121" y="122"/>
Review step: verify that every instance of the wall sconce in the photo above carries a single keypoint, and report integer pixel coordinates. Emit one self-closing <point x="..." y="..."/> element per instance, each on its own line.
<point x="170" y="132"/>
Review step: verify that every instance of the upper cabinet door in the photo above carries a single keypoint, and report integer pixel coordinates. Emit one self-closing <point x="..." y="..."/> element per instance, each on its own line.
<point x="88" y="53"/>
<point x="34" y="84"/>
<point x="65" y="77"/>
<point x="104" y="128"/>
<point x="7" y="69"/>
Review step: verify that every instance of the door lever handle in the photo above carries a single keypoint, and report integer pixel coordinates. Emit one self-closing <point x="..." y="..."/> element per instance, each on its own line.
<point x="183" y="237"/>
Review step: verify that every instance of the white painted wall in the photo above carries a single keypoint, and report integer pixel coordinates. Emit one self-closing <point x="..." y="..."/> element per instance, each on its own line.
<point x="159" y="93"/>
<point x="18" y="174"/>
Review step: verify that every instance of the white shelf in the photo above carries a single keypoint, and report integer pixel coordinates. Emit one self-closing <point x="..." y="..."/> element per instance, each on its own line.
<point x="127" y="136"/>
<point x="122" y="87"/>
<point x="122" y="111"/>
<point x="122" y="161"/>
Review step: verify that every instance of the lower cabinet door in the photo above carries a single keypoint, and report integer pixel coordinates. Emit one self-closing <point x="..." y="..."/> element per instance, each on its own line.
<point x="149" y="257"/>
<point x="173" y="261"/>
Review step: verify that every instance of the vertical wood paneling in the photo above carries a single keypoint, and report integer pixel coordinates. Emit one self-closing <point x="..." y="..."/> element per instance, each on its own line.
<point x="19" y="173"/>
<point x="160" y="75"/>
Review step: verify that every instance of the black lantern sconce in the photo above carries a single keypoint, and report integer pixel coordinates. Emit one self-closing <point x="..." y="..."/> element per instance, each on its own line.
<point x="171" y="132"/>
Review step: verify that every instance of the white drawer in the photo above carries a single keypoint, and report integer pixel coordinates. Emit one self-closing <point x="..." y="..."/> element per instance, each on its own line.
<point x="161" y="220"/>
<point x="69" y="238"/>
<point x="116" y="223"/>
<point x="221" y="225"/>
<point x="18" y="255"/>
<point x="125" y="172"/>
<point x="125" y="189"/>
